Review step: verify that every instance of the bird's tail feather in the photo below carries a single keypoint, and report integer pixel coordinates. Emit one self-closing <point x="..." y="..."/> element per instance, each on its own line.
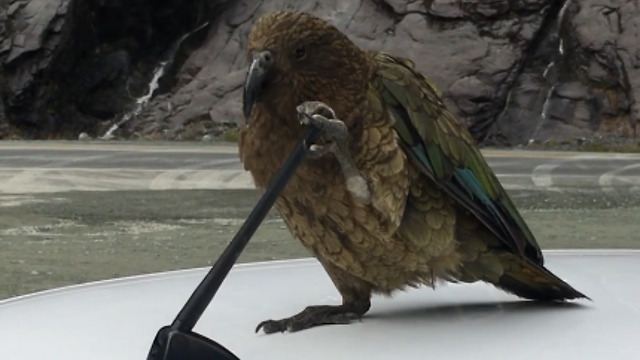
<point x="532" y="281"/>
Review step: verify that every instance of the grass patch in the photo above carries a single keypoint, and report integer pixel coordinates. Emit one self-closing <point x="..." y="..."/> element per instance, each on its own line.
<point x="230" y="135"/>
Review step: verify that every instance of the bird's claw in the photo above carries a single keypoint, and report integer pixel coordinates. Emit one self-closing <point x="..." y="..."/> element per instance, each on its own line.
<point x="323" y="117"/>
<point x="308" y="318"/>
<point x="336" y="136"/>
<point x="317" y="151"/>
<point x="307" y="109"/>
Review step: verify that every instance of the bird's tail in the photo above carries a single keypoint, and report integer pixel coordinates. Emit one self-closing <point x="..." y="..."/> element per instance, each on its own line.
<point x="526" y="279"/>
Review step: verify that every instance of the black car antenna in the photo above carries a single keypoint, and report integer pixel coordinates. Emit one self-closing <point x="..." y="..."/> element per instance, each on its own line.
<point x="178" y="341"/>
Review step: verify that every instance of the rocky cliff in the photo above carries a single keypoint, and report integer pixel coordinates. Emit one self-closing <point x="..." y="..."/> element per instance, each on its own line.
<point x="513" y="70"/>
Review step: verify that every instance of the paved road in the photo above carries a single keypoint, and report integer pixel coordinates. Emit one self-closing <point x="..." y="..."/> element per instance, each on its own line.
<point x="40" y="167"/>
<point x="50" y="236"/>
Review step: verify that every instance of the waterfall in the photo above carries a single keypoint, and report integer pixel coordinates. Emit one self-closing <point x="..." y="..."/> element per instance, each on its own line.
<point x="142" y="101"/>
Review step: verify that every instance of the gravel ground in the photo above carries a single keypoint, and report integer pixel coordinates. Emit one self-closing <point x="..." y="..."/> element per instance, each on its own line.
<point x="51" y="240"/>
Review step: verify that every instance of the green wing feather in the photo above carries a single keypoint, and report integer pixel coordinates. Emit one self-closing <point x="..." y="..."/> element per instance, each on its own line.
<point x="444" y="150"/>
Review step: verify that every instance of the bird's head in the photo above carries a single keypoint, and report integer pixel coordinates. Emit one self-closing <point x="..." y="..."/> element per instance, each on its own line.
<point x="296" y="57"/>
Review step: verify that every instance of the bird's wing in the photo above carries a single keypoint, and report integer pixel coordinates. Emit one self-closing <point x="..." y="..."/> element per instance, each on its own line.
<point x="443" y="149"/>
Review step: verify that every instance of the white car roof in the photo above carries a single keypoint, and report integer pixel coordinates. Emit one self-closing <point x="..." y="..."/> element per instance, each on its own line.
<point x="118" y="319"/>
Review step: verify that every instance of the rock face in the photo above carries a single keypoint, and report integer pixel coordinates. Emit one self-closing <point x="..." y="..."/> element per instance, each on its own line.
<point x="583" y="79"/>
<point x="513" y="70"/>
<point x="74" y="65"/>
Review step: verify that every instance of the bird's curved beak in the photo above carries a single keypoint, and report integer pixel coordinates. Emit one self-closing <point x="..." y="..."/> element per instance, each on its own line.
<point x="255" y="81"/>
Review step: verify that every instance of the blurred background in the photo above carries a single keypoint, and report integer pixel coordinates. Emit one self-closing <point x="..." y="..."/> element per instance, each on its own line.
<point x="527" y="74"/>
<point x="561" y="73"/>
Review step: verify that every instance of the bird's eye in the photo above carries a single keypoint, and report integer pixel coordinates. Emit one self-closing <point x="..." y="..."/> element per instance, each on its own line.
<point x="299" y="52"/>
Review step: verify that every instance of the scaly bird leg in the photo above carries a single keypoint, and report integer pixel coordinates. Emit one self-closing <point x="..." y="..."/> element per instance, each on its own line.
<point x="356" y="295"/>
<point x="314" y="316"/>
<point x="337" y="142"/>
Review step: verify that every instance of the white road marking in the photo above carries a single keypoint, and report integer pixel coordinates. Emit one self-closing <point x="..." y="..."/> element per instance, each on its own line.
<point x="120" y="147"/>
<point x="187" y="177"/>
<point x="227" y="173"/>
<point x="541" y="174"/>
<point x="606" y="180"/>
<point x="110" y="179"/>
<point x="33" y="175"/>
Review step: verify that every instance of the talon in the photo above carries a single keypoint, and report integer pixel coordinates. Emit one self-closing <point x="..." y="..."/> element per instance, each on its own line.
<point x="310" y="108"/>
<point x="304" y="118"/>
<point x="316" y="148"/>
<point x="317" y="151"/>
<point x="271" y="326"/>
<point x="314" y="316"/>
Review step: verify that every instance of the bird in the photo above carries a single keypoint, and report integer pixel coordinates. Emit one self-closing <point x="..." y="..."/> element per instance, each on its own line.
<point x="396" y="193"/>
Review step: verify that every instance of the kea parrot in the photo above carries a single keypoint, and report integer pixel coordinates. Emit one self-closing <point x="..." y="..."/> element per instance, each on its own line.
<point x="396" y="192"/>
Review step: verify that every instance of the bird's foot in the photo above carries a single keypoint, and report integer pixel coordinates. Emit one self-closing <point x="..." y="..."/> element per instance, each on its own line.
<point x="312" y="316"/>
<point x="336" y="137"/>
<point x="334" y="131"/>
<point x="308" y="109"/>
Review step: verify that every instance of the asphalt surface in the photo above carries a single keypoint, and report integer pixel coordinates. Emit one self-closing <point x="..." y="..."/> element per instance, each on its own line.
<point x="34" y="167"/>
<point x="73" y="212"/>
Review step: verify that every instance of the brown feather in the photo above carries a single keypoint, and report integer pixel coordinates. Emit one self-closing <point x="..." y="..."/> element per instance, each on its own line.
<point x="411" y="233"/>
